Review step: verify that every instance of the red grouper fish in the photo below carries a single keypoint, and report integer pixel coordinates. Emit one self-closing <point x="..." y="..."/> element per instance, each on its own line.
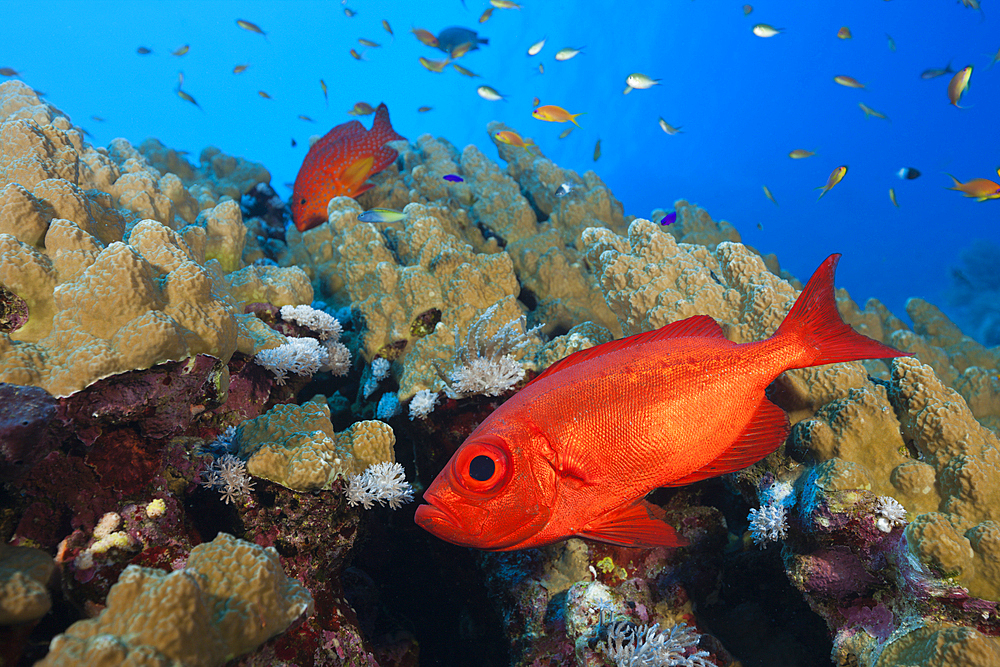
<point x="577" y="449"/>
<point x="339" y="164"/>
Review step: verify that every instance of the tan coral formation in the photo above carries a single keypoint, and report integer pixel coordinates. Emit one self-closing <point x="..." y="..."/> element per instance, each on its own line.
<point x="295" y="446"/>
<point x="231" y="597"/>
<point x="119" y="266"/>
<point x="24" y="580"/>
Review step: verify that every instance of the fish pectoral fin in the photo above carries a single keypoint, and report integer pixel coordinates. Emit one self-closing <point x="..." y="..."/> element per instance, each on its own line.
<point x="640" y="524"/>
<point x="356" y="173"/>
<point x="764" y="433"/>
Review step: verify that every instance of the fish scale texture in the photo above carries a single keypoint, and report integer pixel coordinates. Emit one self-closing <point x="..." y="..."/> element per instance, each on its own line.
<point x="231" y="597"/>
<point x="120" y="265"/>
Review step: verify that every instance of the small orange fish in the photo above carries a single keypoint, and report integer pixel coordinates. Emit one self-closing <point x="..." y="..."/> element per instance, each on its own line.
<point x="464" y="72"/>
<point x="980" y="188"/>
<point x="356" y="55"/>
<point x="425" y="36"/>
<point x="575" y="452"/>
<point x="848" y="81"/>
<point x="554" y="114"/>
<point x="835" y="177"/>
<point x="339" y="164"/>
<point x="959" y="84"/>
<point x="512" y="138"/>
<point x="460" y="50"/>
<point x="181" y="51"/>
<point x="486" y="15"/>
<point x="434" y="65"/>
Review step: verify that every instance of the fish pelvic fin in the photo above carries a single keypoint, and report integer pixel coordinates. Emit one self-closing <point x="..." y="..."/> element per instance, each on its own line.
<point x="356" y="173"/>
<point x="640" y="524"/>
<point x="767" y="429"/>
<point x="816" y="323"/>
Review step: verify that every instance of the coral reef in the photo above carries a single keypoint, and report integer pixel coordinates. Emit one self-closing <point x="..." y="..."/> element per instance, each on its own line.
<point x="201" y="412"/>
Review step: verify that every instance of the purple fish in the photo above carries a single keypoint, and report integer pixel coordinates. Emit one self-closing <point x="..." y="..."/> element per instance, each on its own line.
<point x="454" y="178"/>
<point x="669" y="218"/>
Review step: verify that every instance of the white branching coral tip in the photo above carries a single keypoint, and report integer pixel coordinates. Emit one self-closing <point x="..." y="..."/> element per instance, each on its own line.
<point x="488" y="364"/>
<point x="890" y="513"/>
<point x="422" y="404"/>
<point x="228" y="475"/>
<point x="380" y="368"/>
<point x="768" y="524"/>
<point x="302" y="356"/>
<point x="338" y="359"/>
<point x="648" y="646"/>
<point x="324" y="324"/>
<point x="384" y="483"/>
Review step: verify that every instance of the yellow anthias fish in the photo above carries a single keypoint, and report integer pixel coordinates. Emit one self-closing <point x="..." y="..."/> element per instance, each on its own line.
<point x="512" y="138"/>
<point x="239" y="69"/>
<point x="434" y="65"/>
<point x="181" y="50"/>
<point x="505" y="4"/>
<point x="871" y="112"/>
<point x="959" y="84"/>
<point x="264" y="95"/>
<point x="367" y="42"/>
<point x="486" y="15"/>
<point x="835" y="177"/>
<point x="800" y="153"/>
<point x="465" y="72"/>
<point x="361" y="109"/>
<point x="848" y="81"/>
<point x="892" y="196"/>
<point x="251" y="27"/>
<point x="769" y="195"/>
<point x="554" y="114"/>
<point x="980" y="188"/>
<point x="844" y="33"/>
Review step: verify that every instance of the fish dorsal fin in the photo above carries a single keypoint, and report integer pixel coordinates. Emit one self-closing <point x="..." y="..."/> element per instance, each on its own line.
<point x="357" y="172"/>
<point x="640" y="524"/>
<point x="764" y="433"/>
<point x="699" y="325"/>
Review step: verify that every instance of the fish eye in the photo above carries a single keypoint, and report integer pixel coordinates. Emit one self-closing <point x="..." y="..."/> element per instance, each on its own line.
<point x="302" y="202"/>
<point x="483" y="466"/>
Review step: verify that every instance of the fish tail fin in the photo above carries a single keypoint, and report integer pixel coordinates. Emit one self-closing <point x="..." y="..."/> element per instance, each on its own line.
<point x="573" y="116"/>
<point x="958" y="183"/>
<point x="824" y="189"/>
<point x="816" y="323"/>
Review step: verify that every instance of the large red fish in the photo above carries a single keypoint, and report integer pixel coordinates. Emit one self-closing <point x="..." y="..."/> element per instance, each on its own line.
<point x="576" y="450"/>
<point x="339" y="164"/>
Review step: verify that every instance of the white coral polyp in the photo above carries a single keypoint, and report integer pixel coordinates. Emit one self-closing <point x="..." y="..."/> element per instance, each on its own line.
<point x="768" y="524"/>
<point x="422" y="404"/>
<point x="488" y="376"/>
<point x="890" y="513"/>
<point x="384" y="483"/>
<point x="324" y="324"/>
<point x="302" y="356"/>
<point x="338" y="358"/>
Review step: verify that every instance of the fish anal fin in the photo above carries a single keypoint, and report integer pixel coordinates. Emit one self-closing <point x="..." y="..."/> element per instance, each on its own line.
<point x="699" y="325"/>
<point x="356" y="173"/>
<point x="764" y="433"/>
<point x="640" y="524"/>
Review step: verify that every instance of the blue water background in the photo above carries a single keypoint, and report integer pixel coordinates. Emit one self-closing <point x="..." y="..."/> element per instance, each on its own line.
<point x="743" y="102"/>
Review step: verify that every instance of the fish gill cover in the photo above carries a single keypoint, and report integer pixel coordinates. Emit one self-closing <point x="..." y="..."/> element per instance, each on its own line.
<point x="164" y="326"/>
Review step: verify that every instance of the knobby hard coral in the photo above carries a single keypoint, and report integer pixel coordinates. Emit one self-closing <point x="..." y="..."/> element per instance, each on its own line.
<point x="231" y="597"/>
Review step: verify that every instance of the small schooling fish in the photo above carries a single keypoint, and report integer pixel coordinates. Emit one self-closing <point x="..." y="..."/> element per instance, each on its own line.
<point x="908" y="173"/>
<point x="958" y="85"/>
<point x="800" y="153"/>
<point x="239" y="69"/>
<point x="387" y="28"/>
<point x="381" y="215"/>
<point x="639" y="82"/>
<point x="568" y="53"/>
<point x="434" y="65"/>
<point x="848" y="81"/>
<point x="426" y="37"/>
<point x="322" y="84"/>
<point x="597" y="150"/>
<point x="835" y="177"/>
<point x="769" y="195"/>
<point x="535" y="48"/>
<point x="187" y="98"/>
<point x="488" y="93"/>
<point x="181" y="50"/>
<point x="512" y="138"/>
<point x="935" y="72"/>
<point x="747" y="9"/>
<point x="361" y="109"/>
<point x="142" y="51"/>
<point x="869" y="112"/>
<point x="251" y="27"/>
<point x="668" y="128"/>
<point x="980" y="188"/>
<point x="844" y="33"/>
<point x="464" y="72"/>
<point x="892" y="196"/>
<point x="486" y="15"/>
<point x="765" y="30"/>
<point x="576" y="451"/>
<point x="554" y="114"/>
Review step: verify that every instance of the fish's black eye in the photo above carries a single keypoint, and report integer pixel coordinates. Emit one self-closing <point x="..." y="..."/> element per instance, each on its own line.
<point x="481" y="468"/>
<point x="302" y="202"/>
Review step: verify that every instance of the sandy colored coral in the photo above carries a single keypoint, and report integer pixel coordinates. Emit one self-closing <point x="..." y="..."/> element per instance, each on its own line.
<point x="232" y="596"/>
<point x="941" y="645"/>
<point x="118" y="269"/>
<point x="24" y="579"/>
<point x="295" y="446"/>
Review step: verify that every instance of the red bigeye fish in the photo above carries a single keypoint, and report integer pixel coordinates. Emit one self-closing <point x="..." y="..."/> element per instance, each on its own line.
<point x="339" y="164"/>
<point x="575" y="452"/>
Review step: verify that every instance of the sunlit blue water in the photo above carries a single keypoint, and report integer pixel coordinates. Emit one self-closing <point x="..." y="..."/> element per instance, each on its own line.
<point x="743" y="102"/>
